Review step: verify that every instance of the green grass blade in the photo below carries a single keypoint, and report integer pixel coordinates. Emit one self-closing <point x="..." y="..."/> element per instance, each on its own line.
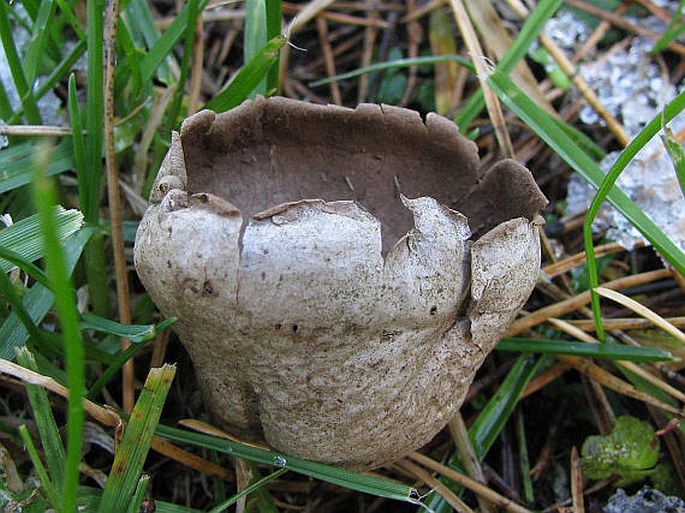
<point x="62" y="69"/>
<point x="135" y="443"/>
<point x="45" y="482"/>
<point x="470" y="111"/>
<point x="15" y="163"/>
<point x="6" y="110"/>
<point x="24" y="239"/>
<point x="261" y="499"/>
<point x="273" y="28"/>
<point x="359" y="482"/>
<point x="136" y="333"/>
<point x="547" y="129"/>
<point x="38" y="300"/>
<point x="166" y="42"/>
<point x="174" y="111"/>
<point x="254" y="37"/>
<point x="602" y="351"/>
<point x="492" y="419"/>
<point x="11" y="295"/>
<point x="139" y="495"/>
<point x="40" y="33"/>
<point x="251" y="74"/>
<point x="673" y="32"/>
<point x="68" y="13"/>
<point x="31" y="7"/>
<point x="45" y="197"/>
<point x="529" y="32"/>
<point x="524" y="459"/>
<point x="606" y="187"/>
<point x="89" y="498"/>
<point x="676" y="152"/>
<point x="395" y="64"/>
<point x="142" y="22"/>
<point x="96" y="265"/>
<point x="55" y="76"/>
<point x="248" y="490"/>
<point x="51" y="441"/>
<point x="499" y="408"/>
<point x="95" y="111"/>
<point x="96" y="270"/>
<point x="352" y="480"/>
<point x="16" y="69"/>
<point x="128" y="70"/>
<point x="79" y="145"/>
<point x="32" y="270"/>
<point x="582" y="140"/>
<point x="113" y="368"/>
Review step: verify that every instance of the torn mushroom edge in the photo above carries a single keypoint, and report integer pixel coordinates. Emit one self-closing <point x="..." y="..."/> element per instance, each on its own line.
<point x="172" y="176"/>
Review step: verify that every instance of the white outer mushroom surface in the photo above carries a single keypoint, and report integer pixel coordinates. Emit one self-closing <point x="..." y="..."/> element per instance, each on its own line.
<point x="304" y="335"/>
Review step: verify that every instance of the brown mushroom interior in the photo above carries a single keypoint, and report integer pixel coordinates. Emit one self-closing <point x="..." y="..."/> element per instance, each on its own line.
<point x="276" y="151"/>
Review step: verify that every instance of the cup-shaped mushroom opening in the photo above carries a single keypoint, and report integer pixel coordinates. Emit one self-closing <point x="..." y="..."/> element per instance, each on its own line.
<point x="268" y="152"/>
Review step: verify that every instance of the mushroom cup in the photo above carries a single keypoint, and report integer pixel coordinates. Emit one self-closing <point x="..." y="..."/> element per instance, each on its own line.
<point x="338" y="275"/>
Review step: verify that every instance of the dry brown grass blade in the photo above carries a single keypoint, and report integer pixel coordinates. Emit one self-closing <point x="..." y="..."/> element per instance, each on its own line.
<point x="34" y="130"/>
<point x="492" y="103"/>
<point x="208" y="429"/>
<point x="625" y="323"/>
<point x="542" y="380"/>
<point x="101" y="414"/>
<point x="487" y="21"/>
<point x="308" y="13"/>
<point x="576" y="482"/>
<point x="570" y="70"/>
<point x="597" y="35"/>
<point x="414" y="36"/>
<point x="621" y="22"/>
<point x="114" y="199"/>
<point x="630" y="366"/>
<point x="599" y="405"/>
<point x="369" y="40"/>
<point x="338" y="17"/>
<point x="674" y="439"/>
<point x="442" y="41"/>
<point x="422" y="11"/>
<point x="605" y="378"/>
<point x="242" y="474"/>
<point x="197" y="59"/>
<point x="324" y="43"/>
<point x="468" y="483"/>
<point x="140" y="160"/>
<point x="642" y="311"/>
<point x="447" y="494"/>
<point x="546" y="453"/>
<point x="461" y="438"/>
<point x="569" y="305"/>
<point x="568" y="263"/>
<point x="207" y="17"/>
<point x="679" y="279"/>
<point x="190" y="460"/>
<point x="109" y="417"/>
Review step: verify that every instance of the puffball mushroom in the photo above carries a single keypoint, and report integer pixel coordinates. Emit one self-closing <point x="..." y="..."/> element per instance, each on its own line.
<point x="338" y="274"/>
